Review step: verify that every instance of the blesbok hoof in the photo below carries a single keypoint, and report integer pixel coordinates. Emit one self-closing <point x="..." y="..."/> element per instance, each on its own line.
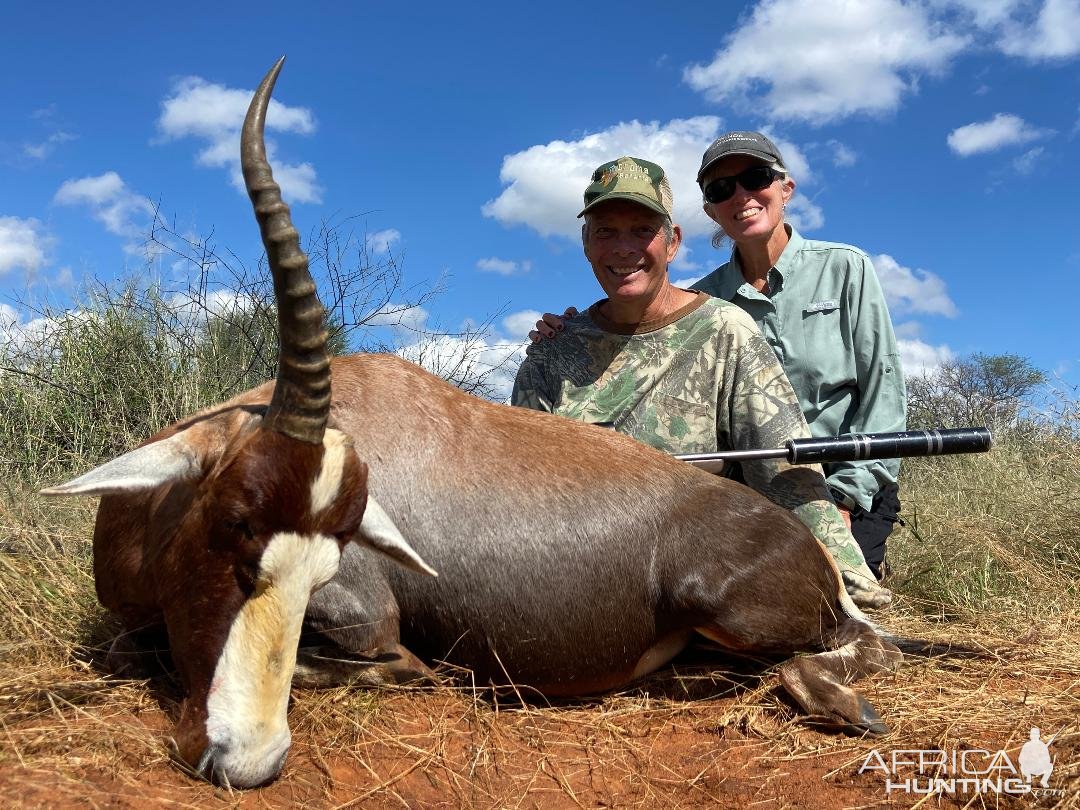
<point x="326" y="666"/>
<point x="870" y="721"/>
<point x="128" y="660"/>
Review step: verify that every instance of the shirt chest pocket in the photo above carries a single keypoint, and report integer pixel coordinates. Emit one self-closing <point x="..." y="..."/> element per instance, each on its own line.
<point x="823" y="329"/>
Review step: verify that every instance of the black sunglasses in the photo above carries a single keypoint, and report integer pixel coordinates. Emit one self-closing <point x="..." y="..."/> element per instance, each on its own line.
<point x="753" y="179"/>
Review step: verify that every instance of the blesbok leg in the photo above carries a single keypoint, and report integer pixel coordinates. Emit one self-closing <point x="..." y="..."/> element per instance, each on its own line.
<point x="360" y="626"/>
<point x="820" y="682"/>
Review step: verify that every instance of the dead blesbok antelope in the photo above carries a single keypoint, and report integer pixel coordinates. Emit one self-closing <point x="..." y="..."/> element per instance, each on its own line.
<point x="571" y="559"/>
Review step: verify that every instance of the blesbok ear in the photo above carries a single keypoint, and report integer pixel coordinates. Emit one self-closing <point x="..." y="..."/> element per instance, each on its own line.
<point x="143" y="468"/>
<point x="378" y="531"/>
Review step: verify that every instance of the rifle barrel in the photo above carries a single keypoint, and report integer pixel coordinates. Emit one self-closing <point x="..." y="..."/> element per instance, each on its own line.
<point x="857" y="447"/>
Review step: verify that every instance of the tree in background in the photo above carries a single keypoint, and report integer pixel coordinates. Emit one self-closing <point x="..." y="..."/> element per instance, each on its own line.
<point x="982" y="389"/>
<point x="82" y="384"/>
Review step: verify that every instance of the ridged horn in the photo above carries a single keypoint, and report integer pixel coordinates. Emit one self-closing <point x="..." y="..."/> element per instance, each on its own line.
<point x="301" y="402"/>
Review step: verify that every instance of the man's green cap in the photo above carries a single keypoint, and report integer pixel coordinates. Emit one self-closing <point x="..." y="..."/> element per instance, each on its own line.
<point x="629" y="178"/>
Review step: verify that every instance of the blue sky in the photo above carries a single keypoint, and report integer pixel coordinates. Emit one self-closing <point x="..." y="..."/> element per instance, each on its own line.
<point x="939" y="136"/>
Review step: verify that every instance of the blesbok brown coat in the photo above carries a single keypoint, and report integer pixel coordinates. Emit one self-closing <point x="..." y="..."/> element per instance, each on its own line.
<point x="570" y="558"/>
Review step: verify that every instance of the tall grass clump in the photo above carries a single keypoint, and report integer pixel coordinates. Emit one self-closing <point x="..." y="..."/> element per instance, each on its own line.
<point x="93" y="382"/>
<point x="995" y="534"/>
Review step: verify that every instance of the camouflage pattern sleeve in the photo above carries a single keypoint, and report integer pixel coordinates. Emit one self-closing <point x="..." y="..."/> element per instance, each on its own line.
<point x="763" y="411"/>
<point x="532" y="388"/>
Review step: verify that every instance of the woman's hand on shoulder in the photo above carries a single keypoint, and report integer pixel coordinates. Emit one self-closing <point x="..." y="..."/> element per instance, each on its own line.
<point x="550" y="325"/>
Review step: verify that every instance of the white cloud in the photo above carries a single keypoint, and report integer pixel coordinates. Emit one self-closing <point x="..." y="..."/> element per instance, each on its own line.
<point x="842" y="154"/>
<point x="1004" y="129"/>
<point x="47" y="114"/>
<point x="1035" y="30"/>
<point x="90" y="190"/>
<point x="985" y="13"/>
<point x="544" y="183"/>
<point x="9" y="316"/>
<point x="803" y="214"/>
<point x="40" y="151"/>
<point x="380" y="242"/>
<point x="297" y="180"/>
<point x="823" y="61"/>
<point x="683" y="263"/>
<point x="408" y="317"/>
<point x="688" y="281"/>
<point x="200" y="108"/>
<point x="919" y="358"/>
<point x="466" y="359"/>
<point x="1025" y="164"/>
<point x="111" y="202"/>
<point x="908" y="330"/>
<point x="17" y="333"/>
<point x="795" y="160"/>
<point x="191" y="306"/>
<point x="476" y="354"/>
<point x="23" y="245"/>
<point x="908" y="290"/>
<point x="519" y="324"/>
<point x="214" y="113"/>
<point x="504" y="267"/>
<point x="1054" y="34"/>
<point x="64" y="277"/>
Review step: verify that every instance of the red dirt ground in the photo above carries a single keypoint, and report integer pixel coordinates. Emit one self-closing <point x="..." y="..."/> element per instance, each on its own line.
<point x="446" y="748"/>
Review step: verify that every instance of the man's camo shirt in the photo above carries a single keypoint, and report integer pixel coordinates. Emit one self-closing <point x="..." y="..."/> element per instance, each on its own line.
<point x="702" y="381"/>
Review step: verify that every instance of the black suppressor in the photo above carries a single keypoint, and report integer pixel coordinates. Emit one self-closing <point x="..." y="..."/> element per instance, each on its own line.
<point x="857" y="447"/>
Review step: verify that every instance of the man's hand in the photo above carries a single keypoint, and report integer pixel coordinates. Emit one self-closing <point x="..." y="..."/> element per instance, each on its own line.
<point x="549" y="325"/>
<point x="865" y="592"/>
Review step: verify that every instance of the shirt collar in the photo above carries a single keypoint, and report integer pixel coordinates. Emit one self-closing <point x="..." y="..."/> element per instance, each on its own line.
<point x="787" y="263"/>
<point x="731" y="278"/>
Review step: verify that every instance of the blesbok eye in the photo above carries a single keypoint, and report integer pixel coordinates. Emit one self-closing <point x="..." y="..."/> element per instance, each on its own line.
<point x="242" y="528"/>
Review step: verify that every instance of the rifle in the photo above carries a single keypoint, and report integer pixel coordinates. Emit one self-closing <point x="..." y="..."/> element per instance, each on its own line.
<point x="856" y="447"/>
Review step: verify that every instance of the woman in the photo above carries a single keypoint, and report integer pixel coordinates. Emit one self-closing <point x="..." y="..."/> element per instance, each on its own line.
<point x="821" y="309"/>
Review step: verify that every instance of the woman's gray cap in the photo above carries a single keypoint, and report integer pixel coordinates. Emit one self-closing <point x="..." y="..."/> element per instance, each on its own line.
<point x="753" y="144"/>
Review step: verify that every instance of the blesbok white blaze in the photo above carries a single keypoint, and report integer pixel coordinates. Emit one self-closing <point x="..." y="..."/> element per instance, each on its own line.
<point x="249" y="694"/>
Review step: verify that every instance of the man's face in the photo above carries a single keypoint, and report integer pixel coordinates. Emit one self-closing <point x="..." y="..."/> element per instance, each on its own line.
<point x="626" y="245"/>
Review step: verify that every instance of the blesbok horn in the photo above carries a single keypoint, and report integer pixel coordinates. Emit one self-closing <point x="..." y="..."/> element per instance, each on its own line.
<point x="301" y="402"/>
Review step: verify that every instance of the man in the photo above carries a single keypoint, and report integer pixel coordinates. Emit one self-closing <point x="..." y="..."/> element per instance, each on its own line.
<point x="676" y="369"/>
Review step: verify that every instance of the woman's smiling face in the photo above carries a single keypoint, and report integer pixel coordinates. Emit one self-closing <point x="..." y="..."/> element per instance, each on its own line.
<point x="748" y="216"/>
